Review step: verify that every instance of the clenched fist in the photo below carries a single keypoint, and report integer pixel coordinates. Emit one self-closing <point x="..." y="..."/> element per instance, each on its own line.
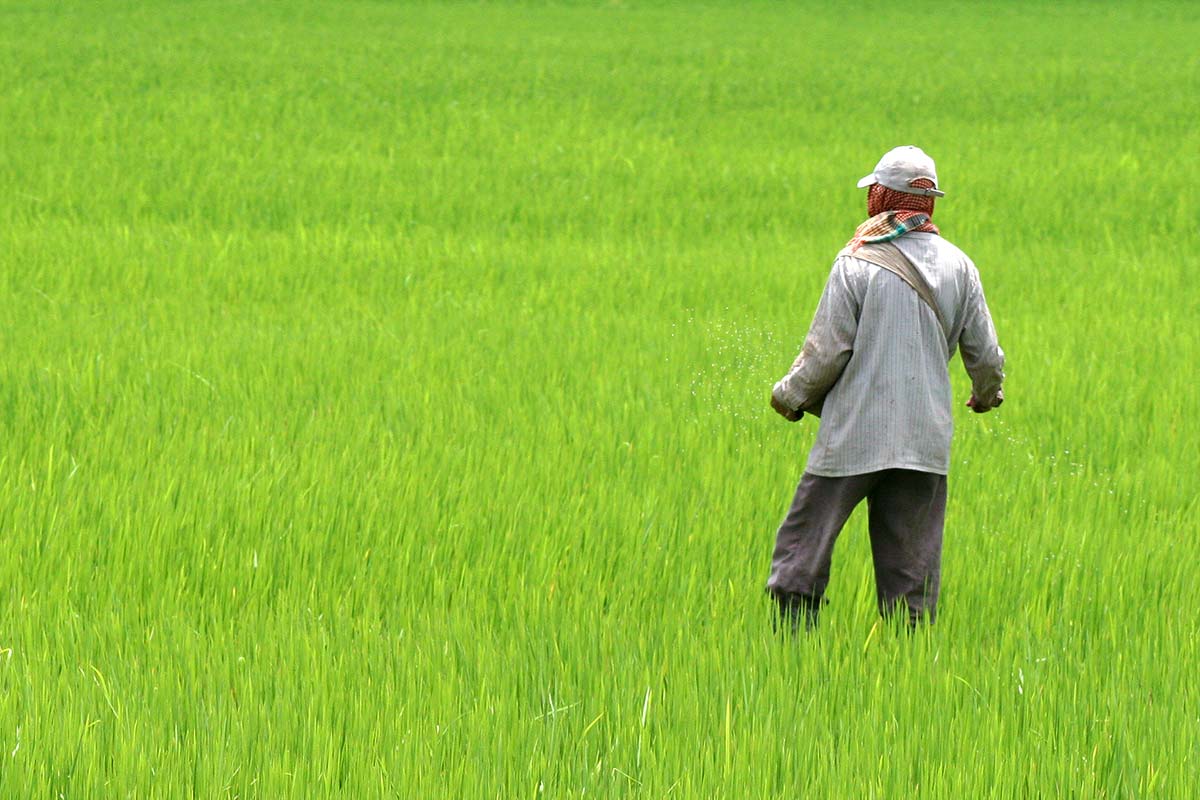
<point x="980" y="408"/>
<point x="784" y="411"/>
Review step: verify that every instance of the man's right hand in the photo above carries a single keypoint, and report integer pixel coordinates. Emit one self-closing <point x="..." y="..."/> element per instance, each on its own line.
<point x="784" y="411"/>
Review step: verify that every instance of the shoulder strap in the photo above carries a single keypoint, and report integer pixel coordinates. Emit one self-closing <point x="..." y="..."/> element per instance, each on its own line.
<point x="892" y="258"/>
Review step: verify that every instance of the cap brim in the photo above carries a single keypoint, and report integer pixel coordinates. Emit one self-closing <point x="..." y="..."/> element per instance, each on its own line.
<point x="867" y="180"/>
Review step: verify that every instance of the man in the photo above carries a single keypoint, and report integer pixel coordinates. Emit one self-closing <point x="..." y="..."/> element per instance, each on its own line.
<point x="874" y="367"/>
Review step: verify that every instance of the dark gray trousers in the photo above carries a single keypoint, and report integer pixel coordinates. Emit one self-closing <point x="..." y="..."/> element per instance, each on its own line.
<point x="907" y="511"/>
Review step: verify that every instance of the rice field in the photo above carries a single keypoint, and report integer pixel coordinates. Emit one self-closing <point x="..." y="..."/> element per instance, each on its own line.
<point x="383" y="397"/>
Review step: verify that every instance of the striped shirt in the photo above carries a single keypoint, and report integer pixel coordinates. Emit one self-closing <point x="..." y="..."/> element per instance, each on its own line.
<point x="874" y="363"/>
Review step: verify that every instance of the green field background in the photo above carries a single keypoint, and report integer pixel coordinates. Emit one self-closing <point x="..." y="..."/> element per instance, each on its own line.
<point x="383" y="400"/>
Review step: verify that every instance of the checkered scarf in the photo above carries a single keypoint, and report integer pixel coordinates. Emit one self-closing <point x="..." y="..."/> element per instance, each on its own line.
<point x="894" y="214"/>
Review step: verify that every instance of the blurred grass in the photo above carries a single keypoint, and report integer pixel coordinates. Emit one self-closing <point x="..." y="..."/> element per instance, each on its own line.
<point x="383" y="399"/>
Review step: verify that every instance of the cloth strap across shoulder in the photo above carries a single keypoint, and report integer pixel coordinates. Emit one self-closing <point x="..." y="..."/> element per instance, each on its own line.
<point x="890" y="257"/>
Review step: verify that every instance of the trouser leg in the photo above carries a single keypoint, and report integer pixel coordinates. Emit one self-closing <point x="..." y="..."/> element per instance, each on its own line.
<point x="907" y="512"/>
<point x="804" y="543"/>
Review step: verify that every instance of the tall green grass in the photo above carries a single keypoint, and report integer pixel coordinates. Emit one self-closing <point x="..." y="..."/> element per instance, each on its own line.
<point x="383" y="400"/>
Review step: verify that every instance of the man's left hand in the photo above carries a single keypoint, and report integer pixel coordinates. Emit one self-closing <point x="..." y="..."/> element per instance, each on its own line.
<point x="784" y="411"/>
<point x="979" y="408"/>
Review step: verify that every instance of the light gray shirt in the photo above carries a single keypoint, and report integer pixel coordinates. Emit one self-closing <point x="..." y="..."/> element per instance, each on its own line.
<point x="874" y="363"/>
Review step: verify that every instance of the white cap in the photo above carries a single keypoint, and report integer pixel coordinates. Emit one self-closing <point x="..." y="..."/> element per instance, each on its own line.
<point x="899" y="167"/>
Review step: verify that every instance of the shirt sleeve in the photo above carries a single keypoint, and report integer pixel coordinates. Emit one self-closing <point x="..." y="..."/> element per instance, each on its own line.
<point x="827" y="347"/>
<point x="981" y="353"/>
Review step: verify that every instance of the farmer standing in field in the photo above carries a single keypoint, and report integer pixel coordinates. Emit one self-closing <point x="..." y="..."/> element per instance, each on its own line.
<point x="874" y="367"/>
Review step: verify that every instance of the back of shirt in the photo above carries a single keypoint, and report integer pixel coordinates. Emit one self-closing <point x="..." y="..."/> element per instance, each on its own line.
<point x="875" y="361"/>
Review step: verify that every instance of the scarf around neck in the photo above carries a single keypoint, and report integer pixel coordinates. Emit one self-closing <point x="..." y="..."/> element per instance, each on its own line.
<point x="894" y="214"/>
<point x="889" y="225"/>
